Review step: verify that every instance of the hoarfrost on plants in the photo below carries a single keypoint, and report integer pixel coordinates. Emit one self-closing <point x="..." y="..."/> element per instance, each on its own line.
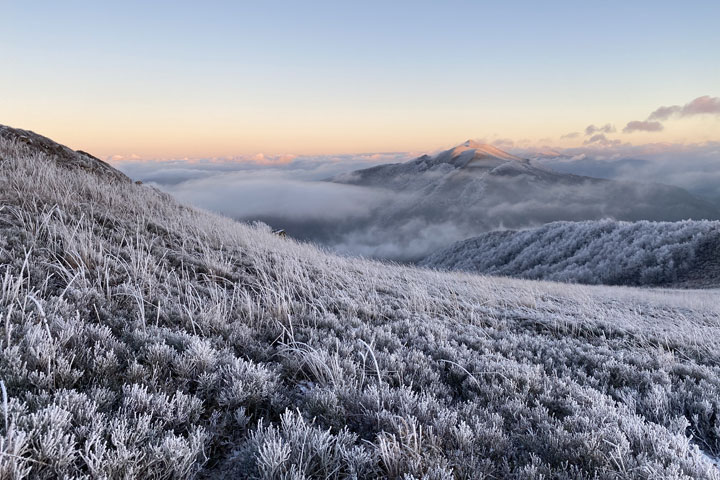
<point x="683" y="253"/>
<point x="144" y="339"/>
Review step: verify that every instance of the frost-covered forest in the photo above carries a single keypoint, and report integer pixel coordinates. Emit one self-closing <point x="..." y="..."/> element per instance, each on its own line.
<point x="140" y="338"/>
<point x="595" y="252"/>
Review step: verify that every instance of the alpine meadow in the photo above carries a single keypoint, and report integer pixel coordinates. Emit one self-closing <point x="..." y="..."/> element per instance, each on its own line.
<point x="459" y="240"/>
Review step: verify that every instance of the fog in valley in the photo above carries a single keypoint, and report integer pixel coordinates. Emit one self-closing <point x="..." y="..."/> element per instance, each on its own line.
<point x="405" y="213"/>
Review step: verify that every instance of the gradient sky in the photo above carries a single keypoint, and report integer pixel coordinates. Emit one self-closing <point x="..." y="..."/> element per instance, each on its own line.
<point x="176" y="79"/>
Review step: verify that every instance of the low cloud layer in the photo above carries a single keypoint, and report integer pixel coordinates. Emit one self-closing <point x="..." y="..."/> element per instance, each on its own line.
<point x="173" y="172"/>
<point x="694" y="167"/>
<point x="270" y="187"/>
<point x="349" y="219"/>
<point x="291" y="193"/>
<point x="259" y="196"/>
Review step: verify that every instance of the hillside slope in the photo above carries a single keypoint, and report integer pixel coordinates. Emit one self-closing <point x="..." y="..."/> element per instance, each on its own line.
<point x="60" y="154"/>
<point x="683" y="254"/>
<point x="143" y="339"/>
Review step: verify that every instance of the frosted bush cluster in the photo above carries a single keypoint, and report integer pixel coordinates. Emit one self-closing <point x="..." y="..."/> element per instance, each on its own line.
<point x="143" y="339"/>
<point x="603" y="251"/>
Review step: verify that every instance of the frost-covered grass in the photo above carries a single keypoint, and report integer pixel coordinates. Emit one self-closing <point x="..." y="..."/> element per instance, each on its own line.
<point x="143" y="339"/>
<point x="594" y="252"/>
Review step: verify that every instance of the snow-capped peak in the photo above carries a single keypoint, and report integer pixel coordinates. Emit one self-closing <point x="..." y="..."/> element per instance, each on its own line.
<point x="483" y="150"/>
<point x="472" y="154"/>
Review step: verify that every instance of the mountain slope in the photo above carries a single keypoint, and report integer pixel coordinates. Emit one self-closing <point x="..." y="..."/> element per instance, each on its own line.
<point x="144" y="339"/>
<point x="476" y="188"/>
<point x="616" y="253"/>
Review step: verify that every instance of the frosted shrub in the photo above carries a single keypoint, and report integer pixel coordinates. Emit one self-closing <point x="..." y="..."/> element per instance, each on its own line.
<point x="297" y="449"/>
<point x="607" y="251"/>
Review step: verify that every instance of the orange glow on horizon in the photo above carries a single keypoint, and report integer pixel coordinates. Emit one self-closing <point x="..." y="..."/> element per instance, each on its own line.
<point x="164" y="136"/>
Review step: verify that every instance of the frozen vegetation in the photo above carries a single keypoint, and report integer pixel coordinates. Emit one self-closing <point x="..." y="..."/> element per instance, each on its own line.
<point x="143" y="339"/>
<point x="609" y="252"/>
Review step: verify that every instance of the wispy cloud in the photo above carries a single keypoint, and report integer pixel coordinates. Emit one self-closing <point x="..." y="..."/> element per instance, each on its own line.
<point x="592" y="129"/>
<point x="663" y="113"/>
<point x="706" y="105"/>
<point x="701" y="105"/>
<point x="505" y="143"/>
<point x="601" y="139"/>
<point x="640" y="126"/>
<point x="570" y="135"/>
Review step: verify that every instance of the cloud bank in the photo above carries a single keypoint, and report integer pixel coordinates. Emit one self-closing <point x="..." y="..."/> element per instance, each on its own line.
<point x="176" y="171"/>
<point x="694" y="167"/>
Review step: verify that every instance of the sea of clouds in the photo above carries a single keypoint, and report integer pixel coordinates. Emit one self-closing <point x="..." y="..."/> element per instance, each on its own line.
<point x="291" y="192"/>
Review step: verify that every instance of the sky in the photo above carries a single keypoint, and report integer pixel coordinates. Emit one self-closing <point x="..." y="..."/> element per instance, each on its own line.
<point x="212" y="79"/>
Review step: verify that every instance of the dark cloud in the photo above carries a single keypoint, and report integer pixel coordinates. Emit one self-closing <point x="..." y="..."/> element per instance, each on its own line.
<point x="640" y="126"/>
<point x="592" y="129"/>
